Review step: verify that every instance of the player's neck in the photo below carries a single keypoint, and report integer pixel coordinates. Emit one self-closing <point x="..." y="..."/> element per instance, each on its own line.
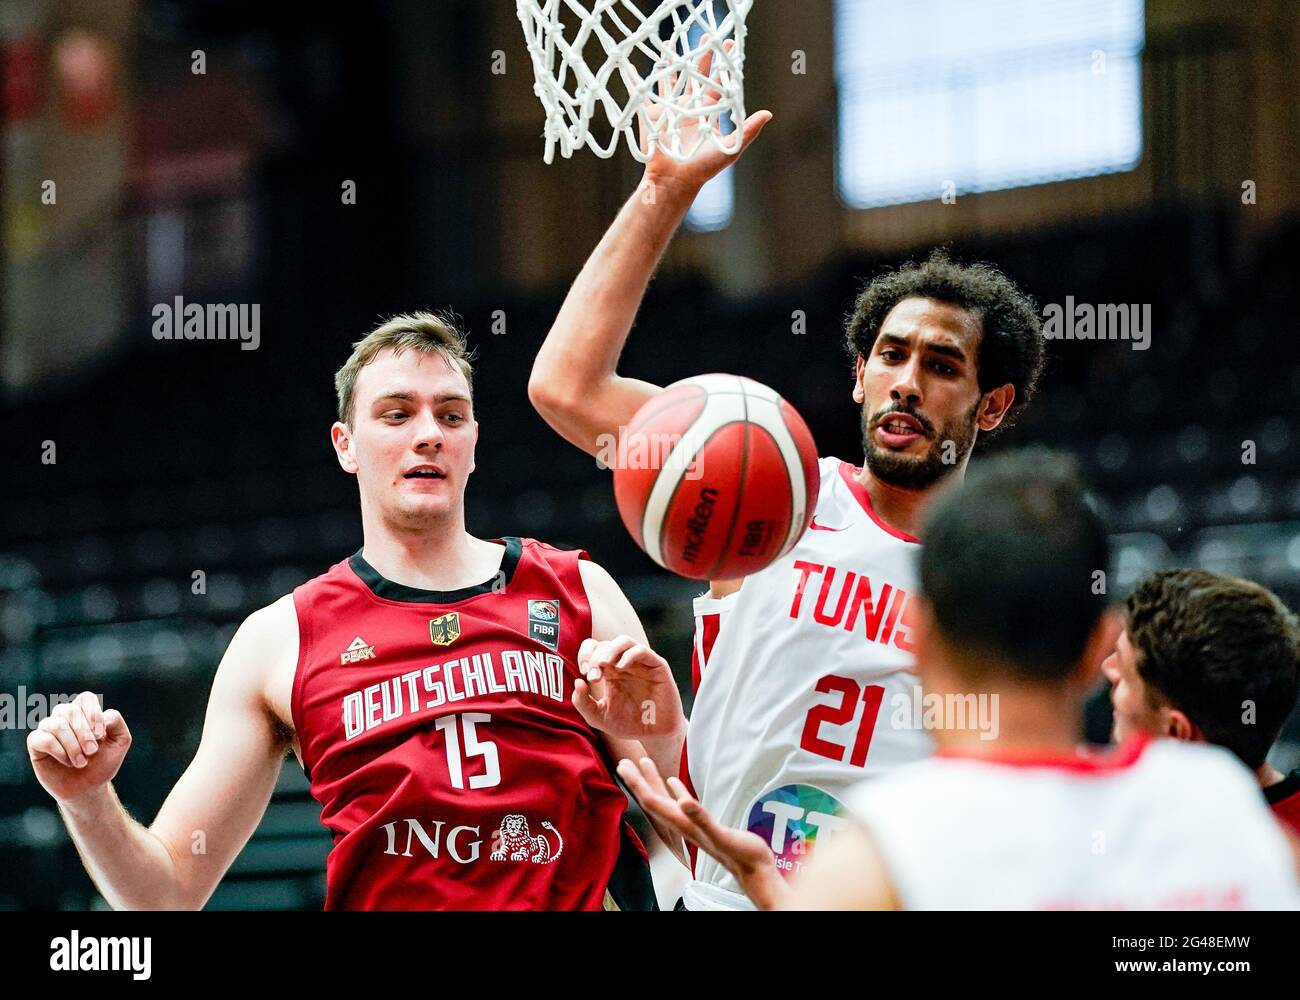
<point x="1024" y="719"/>
<point x="901" y="509"/>
<point x="1267" y="775"/>
<point x="441" y="558"/>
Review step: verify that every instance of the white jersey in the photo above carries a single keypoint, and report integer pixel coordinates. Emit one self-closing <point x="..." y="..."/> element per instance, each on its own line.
<point x="1156" y="825"/>
<point x="800" y="675"/>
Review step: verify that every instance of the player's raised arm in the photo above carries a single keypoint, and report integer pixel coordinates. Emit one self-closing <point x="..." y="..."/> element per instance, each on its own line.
<point x="575" y="385"/>
<point x="211" y="812"/>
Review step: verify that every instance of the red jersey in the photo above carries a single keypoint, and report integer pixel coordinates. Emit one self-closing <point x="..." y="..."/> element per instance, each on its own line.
<point x="1284" y="799"/>
<point x="439" y="738"/>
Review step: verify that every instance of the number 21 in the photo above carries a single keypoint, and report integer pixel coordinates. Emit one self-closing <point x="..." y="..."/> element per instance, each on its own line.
<point x="839" y="715"/>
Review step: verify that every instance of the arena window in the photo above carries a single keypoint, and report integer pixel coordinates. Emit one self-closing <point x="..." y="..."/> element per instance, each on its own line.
<point x="985" y="95"/>
<point x="716" y="204"/>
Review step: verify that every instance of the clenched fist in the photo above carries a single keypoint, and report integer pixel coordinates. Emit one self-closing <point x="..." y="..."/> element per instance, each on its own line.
<point x="78" y="747"/>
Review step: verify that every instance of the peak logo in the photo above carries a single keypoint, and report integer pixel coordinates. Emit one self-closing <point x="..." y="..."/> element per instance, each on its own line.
<point x="357" y="651"/>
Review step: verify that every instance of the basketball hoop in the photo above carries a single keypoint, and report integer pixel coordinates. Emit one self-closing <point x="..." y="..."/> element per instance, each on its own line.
<point x="608" y="58"/>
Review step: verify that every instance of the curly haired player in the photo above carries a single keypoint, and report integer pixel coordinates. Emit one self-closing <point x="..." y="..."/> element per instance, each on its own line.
<point x="793" y="663"/>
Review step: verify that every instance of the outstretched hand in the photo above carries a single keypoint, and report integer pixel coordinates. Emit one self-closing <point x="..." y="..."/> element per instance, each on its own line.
<point x="742" y="853"/>
<point x="708" y="161"/>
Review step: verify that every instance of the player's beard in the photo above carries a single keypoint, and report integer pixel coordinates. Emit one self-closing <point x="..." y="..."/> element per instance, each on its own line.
<point x="910" y="472"/>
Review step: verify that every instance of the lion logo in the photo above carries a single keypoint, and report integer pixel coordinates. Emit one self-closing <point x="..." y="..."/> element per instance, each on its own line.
<point x="515" y="843"/>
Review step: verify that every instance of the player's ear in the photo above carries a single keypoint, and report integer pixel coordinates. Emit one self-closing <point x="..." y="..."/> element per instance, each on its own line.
<point x="1179" y="726"/>
<point x="994" y="406"/>
<point x="341" y="438"/>
<point x="859" y="390"/>
<point x="474" y="447"/>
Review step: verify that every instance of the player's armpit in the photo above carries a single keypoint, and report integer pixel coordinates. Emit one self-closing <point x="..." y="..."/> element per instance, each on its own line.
<point x="216" y="805"/>
<point x="724" y="588"/>
<point x="846" y="873"/>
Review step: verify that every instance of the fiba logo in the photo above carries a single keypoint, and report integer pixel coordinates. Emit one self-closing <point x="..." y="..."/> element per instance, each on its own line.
<point x="544" y="623"/>
<point x="791" y="818"/>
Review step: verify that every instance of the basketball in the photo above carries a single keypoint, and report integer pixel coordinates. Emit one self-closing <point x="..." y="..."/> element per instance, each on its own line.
<point x="716" y="477"/>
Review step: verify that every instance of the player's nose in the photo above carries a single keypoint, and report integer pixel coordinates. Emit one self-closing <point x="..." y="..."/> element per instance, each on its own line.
<point x="907" y="384"/>
<point x="427" y="433"/>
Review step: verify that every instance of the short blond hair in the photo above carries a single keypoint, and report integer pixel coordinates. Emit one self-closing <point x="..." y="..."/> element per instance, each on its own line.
<point x="425" y="332"/>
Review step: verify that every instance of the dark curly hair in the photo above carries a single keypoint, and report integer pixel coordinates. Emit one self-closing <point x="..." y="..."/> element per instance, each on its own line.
<point x="1011" y="349"/>
<point x="1206" y="643"/>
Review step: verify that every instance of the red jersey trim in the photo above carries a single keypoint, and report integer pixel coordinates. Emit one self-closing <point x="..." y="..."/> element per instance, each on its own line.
<point x="1284" y="800"/>
<point x="710" y="623"/>
<point x="849" y="474"/>
<point x="684" y="775"/>
<point x="1287" y="788"/>
<point x="295" y="693"/>
<point x="1118" y="759"/>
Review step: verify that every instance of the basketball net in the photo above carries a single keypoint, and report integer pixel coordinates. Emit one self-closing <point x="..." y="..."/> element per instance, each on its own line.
<point x="607" y="58"/>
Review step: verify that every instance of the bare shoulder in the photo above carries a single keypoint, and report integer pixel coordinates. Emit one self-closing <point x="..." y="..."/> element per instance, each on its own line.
<point x="264" y="653"/>
<point x="595" y="577"/>
<point x="612" y="613"/>
<point x="275" y="623"/>
<point x="603" y="594"/>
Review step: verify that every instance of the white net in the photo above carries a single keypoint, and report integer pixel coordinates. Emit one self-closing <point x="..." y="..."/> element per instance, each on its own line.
<point x="672" y="67"/>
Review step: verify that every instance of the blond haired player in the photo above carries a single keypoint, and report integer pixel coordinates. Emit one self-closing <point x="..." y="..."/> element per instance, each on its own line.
<point x="794" y="663"/>
<point x="1023" y="821"/>
<point x="449" y="696"/>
